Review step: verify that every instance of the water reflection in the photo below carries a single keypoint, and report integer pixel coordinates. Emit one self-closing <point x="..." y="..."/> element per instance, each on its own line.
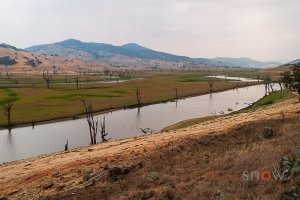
<point x="10" y="140"/>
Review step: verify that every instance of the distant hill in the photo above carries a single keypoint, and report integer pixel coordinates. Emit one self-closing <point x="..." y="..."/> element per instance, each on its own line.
<point x="137" y="56"/>
<point x="285" y="67"/>
<point x="99" y="50"/>
<point x="7" y="46"/>
<point x="247" y="62"/>
<point x="13" y="59"/>
<point x="129" y="54"/>
<point x="297" y="61"/>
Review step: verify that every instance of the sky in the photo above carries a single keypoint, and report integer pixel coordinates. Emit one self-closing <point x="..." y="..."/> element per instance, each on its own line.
<point x="266" y="30"/>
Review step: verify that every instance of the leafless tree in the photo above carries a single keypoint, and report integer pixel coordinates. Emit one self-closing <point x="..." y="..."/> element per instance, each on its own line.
<point x="268" y="85"/>
<point x="77" y="82"/>
<point x="8" y="75"/>
<point x="66" y="79"/>
<point x="103" y="131"/>
<point x="237" y="85"/>
<point x="67" y="145"/>
<point x="211" y="85"/>
<point x="176" y="93"/>
<point x="258" y="77"/>
<point x="280" y="82"/>
<point x="7" y="112"/>
<point x="138" y="96"/>
<point x="93" y="123"/>
<point x="47" y="78"/>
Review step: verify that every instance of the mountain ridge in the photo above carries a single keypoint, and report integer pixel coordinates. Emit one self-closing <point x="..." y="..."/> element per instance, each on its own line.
<point x="124" y="54"/>
<point x="247" y="62"/>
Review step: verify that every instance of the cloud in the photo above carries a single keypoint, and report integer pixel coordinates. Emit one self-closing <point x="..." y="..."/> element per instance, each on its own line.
<point x="262" y="29"/>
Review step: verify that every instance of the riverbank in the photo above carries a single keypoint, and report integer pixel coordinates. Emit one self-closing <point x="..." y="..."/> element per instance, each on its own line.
<point x="155" y="166"/>
<point x="273" y="97"/>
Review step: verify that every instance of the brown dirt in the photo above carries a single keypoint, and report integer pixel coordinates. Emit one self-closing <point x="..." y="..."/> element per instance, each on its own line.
<point x="204" y="161"/>
<point x="62" y="64"/>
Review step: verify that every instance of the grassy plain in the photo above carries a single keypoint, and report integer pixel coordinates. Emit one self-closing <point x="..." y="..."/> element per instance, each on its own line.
<point x="34" y="102"/>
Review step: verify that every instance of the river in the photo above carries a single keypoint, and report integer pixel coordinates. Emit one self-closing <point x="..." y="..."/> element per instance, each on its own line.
<point x="26" y="142"/>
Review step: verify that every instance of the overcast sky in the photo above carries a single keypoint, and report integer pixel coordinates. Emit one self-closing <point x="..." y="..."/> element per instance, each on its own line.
<point x="260" y="29"/>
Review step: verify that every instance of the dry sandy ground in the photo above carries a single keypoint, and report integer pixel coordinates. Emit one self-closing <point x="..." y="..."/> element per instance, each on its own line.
<point x="64" y="173"/>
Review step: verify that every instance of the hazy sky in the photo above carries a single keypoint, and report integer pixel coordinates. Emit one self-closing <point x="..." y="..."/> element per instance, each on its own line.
<point x="261" y="29"/>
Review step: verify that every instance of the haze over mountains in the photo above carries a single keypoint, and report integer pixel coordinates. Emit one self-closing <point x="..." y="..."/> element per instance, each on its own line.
<point x="246" y="62"/>
<point x="134" y="55"/>
<point x="297" y="61"/>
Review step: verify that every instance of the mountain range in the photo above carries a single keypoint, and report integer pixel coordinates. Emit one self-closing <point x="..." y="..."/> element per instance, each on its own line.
<point x="247" y="62"/>
<point x="297" y="61"/>
<point x="134" y="55"/>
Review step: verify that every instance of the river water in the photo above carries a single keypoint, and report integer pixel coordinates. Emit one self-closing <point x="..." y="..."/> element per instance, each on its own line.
<point x="26" y="142"/>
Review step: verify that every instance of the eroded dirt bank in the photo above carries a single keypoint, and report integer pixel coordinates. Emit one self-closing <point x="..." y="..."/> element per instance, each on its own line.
<point x="203" y="161"/>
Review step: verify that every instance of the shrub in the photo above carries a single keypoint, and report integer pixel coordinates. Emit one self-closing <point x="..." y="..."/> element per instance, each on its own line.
<point x="31" y="62"/>
<point x="6" y="60"/>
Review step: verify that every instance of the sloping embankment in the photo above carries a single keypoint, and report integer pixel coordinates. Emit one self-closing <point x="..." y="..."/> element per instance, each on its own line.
<point x="164" y="165"/>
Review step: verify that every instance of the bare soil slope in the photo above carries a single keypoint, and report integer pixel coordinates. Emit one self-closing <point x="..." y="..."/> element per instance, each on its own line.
<point x="204" y="161"/>
<point x="31" y="63"/>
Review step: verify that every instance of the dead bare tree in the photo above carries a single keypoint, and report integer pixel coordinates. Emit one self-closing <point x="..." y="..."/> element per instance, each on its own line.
<point x="67" y="145"/>
<point x="93" y="123"/>
<point x="47" y="78"/>
<point x="211" y="85"/>
<point x="103" y="131"/>
<point x="7" y="112"/>
<point x="66" y="79"/>
<point x="271" y="85"/>
<point x="280" y="82"/>
<point x="258" y="77"/>
<point x="138" y="96"/>
<point x="237" y="85"/>
<point x="268" y="85"/>
<point x="77" y="82"/>
<point x="176" y="93"/>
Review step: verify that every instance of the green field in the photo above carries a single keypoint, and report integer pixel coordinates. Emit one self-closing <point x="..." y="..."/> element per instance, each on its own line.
<point x="34" y="102"/>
